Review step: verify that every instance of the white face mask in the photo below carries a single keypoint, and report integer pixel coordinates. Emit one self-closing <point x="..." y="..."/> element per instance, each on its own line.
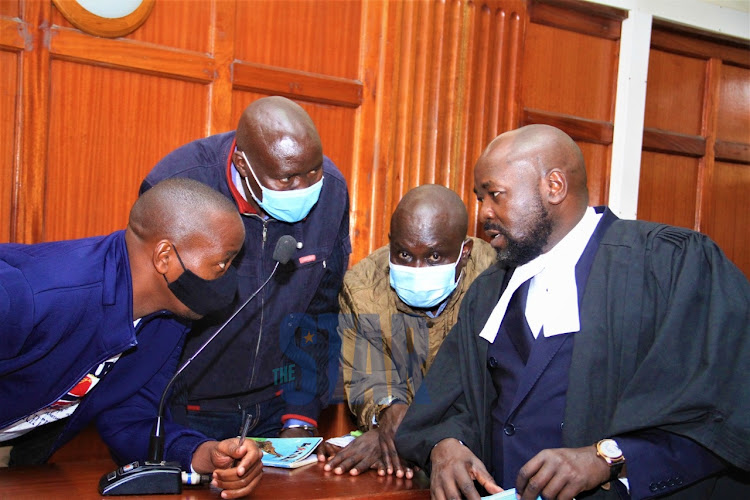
<point x="288" y="206"/>
<point x="424" y="287"/>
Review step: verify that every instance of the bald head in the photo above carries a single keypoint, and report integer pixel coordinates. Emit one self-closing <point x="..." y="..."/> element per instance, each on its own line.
<point x="180" y="210"/>
<point x="428" y="228"/>
<point x="431" y="209"/>
<point x="532" y="186"/>
<point x="277" y="127"/>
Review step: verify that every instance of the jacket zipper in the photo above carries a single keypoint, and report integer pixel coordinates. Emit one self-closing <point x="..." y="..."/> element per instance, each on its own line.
<point x="262" y="301"/>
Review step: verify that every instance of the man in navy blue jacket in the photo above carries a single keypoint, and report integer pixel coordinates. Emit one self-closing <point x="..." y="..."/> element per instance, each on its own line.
<point x="90" y="330"/>
<point x="278" y="360"/>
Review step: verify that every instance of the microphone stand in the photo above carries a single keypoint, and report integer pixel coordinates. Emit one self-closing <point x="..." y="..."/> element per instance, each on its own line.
<point x="155" y="476"/>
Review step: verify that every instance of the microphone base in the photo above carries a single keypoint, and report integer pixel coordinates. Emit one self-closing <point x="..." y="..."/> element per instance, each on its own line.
<point x="148" y="478"/>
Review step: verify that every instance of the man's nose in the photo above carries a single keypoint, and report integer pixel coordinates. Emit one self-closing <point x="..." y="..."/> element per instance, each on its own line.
<point x="485" y="212"/>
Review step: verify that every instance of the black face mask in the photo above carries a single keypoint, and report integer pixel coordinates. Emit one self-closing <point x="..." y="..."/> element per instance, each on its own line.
<point x="200" y="295"/>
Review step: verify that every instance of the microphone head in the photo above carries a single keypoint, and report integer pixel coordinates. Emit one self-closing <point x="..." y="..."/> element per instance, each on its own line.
<point x="285" y="248"/>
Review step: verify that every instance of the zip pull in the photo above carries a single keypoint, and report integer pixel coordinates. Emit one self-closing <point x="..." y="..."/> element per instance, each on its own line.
<point x="265" y="230"/>
<point x="324" y="264"/>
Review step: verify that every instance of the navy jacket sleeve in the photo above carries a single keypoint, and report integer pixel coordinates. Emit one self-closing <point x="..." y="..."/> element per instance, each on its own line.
<point x="316" y="345"/>
<point x="127" y="427"/>
<point x="659" y="462"/>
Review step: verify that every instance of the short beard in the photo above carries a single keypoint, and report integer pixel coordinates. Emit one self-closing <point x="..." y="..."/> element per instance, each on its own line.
<point x="518" y="252"/>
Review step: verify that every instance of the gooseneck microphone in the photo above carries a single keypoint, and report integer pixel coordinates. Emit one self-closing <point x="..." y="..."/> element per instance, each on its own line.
<point x="156" y="476"/>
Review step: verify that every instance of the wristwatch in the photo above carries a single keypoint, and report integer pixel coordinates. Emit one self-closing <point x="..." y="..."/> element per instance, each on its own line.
<point x="382" y="405"/>
<point x="612" y="454"/>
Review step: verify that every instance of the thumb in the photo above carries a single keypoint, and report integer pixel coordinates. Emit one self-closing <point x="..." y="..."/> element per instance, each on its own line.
<point x="485" y="479"/>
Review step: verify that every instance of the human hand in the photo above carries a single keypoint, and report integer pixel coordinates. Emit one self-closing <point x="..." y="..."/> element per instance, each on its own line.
<point x="360" y="455"/>
<point x="561" y="473"/>
<point x="388" y="423"/>
<point x="454" y="470"/>
<point x="219" y="457"/>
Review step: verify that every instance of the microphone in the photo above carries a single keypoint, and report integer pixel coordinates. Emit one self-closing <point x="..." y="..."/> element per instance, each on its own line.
<point x="155" y="476"/>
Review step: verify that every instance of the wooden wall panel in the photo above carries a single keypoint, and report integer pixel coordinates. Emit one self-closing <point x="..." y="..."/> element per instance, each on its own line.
<point x="730" y="212"/>
<point x="598" y="160"/>
<point x="569" y="73"/>
<point x="10" y="8"/>
<point x="734" y="105"/>
<point x="335" y="126"/>
<point x="8" y="120"/>
<point x="314" y="36"/>
<point x="698" y="121"/>
<point x="107" y="129"/>
<point x="667" y="189"/>
<point x="179" y="25"/>
<point x="674" y="100"/>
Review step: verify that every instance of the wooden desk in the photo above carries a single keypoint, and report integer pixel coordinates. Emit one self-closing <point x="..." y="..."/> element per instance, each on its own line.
<point x="79" y="481"/>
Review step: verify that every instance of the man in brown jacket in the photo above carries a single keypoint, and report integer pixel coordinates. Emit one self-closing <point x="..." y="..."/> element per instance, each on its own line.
<point x="397" y="306"/>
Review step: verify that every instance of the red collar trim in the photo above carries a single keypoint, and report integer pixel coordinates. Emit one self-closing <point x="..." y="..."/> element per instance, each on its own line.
<point x="244" y="206"/>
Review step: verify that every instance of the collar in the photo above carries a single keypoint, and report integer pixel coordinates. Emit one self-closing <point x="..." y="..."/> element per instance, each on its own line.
<point x="552" y="301"/>
<point x="234" y="180"/>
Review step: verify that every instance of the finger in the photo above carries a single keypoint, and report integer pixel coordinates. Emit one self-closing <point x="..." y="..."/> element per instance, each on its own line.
<point x="228" y="481"/>
<point x="533" y="485"/>
<point x="339" y="457"/>
<point x="485" y="478"/>
<point x="244" y="490"/>
<point x="251" y="456"/>
<point x="364" y="463"/>
<point x="409" y="473"/>
<point x="231" y="475"/>
<point x="385" y="456"/>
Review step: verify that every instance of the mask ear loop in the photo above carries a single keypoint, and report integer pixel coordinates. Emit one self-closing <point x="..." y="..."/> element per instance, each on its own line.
<point x="179" y="259"/>
<point x="247" y="183"/>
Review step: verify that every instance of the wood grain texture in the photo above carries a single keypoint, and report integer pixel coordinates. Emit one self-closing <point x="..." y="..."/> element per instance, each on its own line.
<point x="697" y="121"/>
<point x="591" y="19"/>
<point x="729" y="215"/>
<point x="693" y="43"/>
<point x="181" y="25"/>
<point x="131" y="55"/>
<point x="8" y="120"/>
<point x="107" y="129"/>
<point x="734" y="105"/>
<point x="312" y="36"/>
<point x="12" y="33"/>
<point x="298" y="85"/>
<point x="673" y="142"/>
<point x="10" y="8"/>
<point x="30" y="168"/>
<point x="674" y="97"/>
<point x="569" y="73"/>
<point x="667" y="189"/>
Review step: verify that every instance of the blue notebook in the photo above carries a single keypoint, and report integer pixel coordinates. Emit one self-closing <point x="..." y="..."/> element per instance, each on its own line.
<point x="288" y="453"/>
<point x="505" y="495"/>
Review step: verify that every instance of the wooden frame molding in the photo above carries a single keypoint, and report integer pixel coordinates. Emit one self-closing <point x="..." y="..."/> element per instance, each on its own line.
<point x="12" y="34"/>
<point x="594" y="131"/>
<point x="90" y="23"/>
<point x="662" y="141"/>
<point x="590" y="19"/>
<point x="72" y="45"/>
<point x="297" y="84"/>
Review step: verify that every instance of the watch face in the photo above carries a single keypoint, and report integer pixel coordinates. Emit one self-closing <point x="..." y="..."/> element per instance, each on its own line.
<point x="609" y="448"/>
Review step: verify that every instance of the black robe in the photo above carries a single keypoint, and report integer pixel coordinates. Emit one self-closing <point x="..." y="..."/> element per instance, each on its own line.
<point x="664" y="344"/>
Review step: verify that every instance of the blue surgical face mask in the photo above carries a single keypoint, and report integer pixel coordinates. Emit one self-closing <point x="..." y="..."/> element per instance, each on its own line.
<point x="288" y="206"/>
<point x="424" y="287"/>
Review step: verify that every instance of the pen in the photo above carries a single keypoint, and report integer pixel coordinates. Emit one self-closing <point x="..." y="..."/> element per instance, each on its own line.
<point x="245" y="428"/>
<point x="243" y="433"/>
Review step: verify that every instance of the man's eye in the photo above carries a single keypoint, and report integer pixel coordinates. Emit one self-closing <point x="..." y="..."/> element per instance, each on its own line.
<point x="403" y="255"/>
<point x="285" y="179"/>
<point x="434" y="256"/>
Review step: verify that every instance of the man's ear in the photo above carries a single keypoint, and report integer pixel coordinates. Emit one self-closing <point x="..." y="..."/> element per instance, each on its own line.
<point x="161" y="255"/>
<point x="468" y="247"/>
<point x="557" y="186"/>
<point x="240" y="164"/>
